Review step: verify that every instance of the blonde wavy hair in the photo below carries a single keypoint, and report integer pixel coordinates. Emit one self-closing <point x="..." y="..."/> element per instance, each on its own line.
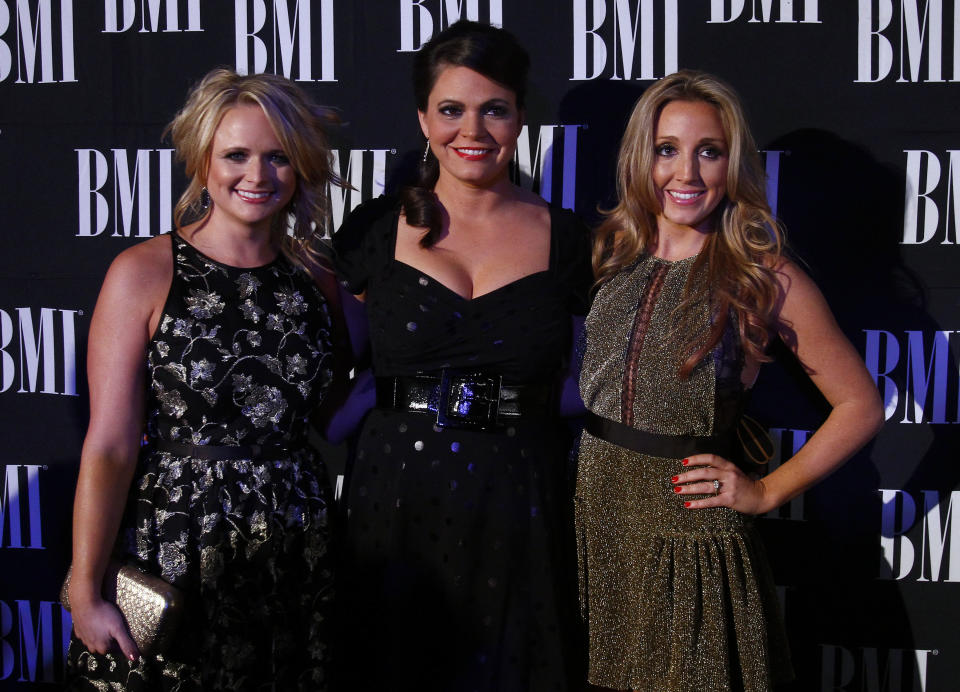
<point x="740" y="257"/>
<point x="300" y="126"/>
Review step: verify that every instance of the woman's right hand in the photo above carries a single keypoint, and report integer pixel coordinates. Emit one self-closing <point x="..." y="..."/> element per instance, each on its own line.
<point x="102" y="629"/>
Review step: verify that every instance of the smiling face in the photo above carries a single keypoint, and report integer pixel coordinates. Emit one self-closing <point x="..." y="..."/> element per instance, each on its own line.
<point x="690" y="165"/>
<point x="250" y="178"/>
<point x="472" y="123"/>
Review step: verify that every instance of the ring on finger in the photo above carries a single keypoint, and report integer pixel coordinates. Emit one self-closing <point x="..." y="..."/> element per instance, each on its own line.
<point x="716" y="487"/>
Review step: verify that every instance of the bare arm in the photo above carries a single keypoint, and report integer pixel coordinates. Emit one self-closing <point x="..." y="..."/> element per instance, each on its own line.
<point x="126" y="313"/>
<point x="808" y="328"/>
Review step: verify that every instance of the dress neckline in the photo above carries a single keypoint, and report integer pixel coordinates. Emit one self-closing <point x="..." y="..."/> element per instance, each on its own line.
<point x="444" y="287"/>
<point x="176" y="235"/>
<point x="550" y="261"/>
<point x="678" y="262"/>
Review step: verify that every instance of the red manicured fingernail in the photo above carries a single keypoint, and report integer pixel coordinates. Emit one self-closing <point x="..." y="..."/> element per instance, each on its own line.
<point x="686" y="504"/>
<point x="686" y="461"/>
<point x="675" y="479"/>
<point x="676" y="489"/>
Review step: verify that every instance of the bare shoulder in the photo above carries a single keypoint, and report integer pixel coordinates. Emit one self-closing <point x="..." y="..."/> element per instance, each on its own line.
<point x="525" y="196"/>
<point x="139" y="277"/>
<point x="801" y="307"/>
<point x="146" y="262"/>
<point x="530" y="210"/>
<point x="794" y="283"/>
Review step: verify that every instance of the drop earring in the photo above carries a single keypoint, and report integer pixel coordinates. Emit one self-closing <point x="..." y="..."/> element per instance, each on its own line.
<point x="204" y="198"/>
<point x="426" y="151"/>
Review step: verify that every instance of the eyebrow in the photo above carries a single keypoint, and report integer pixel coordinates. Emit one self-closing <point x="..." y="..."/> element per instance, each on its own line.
<point x="238" y="147"/>
<point x="456" y="102"/>
<point x="705" y="140"/>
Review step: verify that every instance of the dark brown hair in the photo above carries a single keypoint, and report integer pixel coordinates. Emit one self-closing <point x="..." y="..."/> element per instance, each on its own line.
<point x="492" y="52"/>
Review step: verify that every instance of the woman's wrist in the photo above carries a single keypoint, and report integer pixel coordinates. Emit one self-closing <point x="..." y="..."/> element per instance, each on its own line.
<point x="84" y="592"/>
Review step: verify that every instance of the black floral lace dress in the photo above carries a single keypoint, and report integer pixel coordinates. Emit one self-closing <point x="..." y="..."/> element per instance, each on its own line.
<point x="239" y="360"/>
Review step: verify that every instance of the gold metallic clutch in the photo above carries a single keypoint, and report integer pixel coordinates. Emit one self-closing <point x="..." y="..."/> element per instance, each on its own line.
<point x="150" y="606"/>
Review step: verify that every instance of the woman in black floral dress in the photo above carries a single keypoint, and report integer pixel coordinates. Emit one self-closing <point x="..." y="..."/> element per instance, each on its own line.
<point x="216" y="342"/>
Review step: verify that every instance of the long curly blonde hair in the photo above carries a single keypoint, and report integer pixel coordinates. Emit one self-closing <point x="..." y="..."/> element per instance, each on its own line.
<point x="740" y="256"/>
<point x="299" y="124"/>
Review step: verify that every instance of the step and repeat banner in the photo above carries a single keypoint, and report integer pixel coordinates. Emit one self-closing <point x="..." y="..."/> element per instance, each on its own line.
<point x="854" y="102"/>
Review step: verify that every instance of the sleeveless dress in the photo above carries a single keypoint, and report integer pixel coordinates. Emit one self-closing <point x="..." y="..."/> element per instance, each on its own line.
<point x="676" y="600"/>
<point x="460" y="569"/>
<point x="240" y="358"/>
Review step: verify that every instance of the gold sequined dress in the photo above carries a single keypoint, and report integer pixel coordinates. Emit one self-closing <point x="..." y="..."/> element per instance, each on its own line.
<point x="675" y="599"/>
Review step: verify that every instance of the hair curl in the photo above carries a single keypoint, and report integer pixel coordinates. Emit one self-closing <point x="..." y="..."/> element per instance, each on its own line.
<point x="301" y="127"/>
<point x="488" y="50"/>
<point x="740" y="257"/>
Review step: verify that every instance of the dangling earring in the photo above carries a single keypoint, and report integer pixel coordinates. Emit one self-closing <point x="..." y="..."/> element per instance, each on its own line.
<point x="426" y="151"/>
<point x="204" y="198"/>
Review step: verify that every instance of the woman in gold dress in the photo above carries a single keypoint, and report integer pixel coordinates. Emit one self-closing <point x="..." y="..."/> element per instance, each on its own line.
<point x="693" y="285"/>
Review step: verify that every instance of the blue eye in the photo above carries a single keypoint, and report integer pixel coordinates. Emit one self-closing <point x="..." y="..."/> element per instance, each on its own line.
<point x="279" y="158"/>
<point x="235" y="156"/>
<point x="711" y="153"/>
<point x="665" y="150"/>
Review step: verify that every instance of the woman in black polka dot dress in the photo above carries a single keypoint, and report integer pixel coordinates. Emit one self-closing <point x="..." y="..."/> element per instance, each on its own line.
<point x="458" y="571"/>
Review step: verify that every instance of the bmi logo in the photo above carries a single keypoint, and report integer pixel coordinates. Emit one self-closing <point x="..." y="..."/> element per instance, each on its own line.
<point x="365" y="171"/>
<point x="726" y="11"/>
<point x="35" y="341"/>
<point x="912" y="371"/>
<point x="621" y="39"/>
<point x="849" y="669"/>
<point x="420" y="19"/>
<point x="116" y="188"/>
<point x="929" y="191"/>
<point x="36" y="41"/>
<point x="934" y="554"/>
<point x="34" y="636"/>
<point x="283" y="37"/>
<point x="906" y="39"/>
<point x="771" y="160"/>
<point x="20" y="515"/>
<point x="550" y="167"/>
<point x="120" y="15"/>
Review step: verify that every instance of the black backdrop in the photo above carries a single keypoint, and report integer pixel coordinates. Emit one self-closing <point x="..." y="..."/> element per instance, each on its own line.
<point x="854" y="103"/>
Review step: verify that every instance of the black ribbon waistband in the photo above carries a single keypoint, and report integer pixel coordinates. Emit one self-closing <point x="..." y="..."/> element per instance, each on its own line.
<point x="220" y="452"/>
<point x="655" y="444"/>
<point x="464" y="400"/>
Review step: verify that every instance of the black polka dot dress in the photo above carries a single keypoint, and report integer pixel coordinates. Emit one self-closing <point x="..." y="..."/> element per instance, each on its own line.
<point x="459" y="569"/>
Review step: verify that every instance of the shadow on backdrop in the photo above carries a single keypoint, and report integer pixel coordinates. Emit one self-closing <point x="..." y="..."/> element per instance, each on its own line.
<point x="847" y="617"/>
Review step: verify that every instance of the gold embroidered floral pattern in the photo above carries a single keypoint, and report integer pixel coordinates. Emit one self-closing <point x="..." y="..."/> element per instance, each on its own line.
<point x="241" y="357"/>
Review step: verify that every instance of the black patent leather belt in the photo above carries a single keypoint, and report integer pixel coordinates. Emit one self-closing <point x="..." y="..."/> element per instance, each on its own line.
<point x="220" y="452"/>
<point x="655" y="444"/>
<point x="460" y="399"/>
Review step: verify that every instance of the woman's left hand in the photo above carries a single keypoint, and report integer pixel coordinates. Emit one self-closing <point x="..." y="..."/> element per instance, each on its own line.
<point x="724" y="482"/>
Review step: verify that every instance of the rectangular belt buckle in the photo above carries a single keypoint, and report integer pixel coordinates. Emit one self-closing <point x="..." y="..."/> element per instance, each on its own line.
<point x="468" y="400"/>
